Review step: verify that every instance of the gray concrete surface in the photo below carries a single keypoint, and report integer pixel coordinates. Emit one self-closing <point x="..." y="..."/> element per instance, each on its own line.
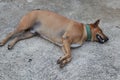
<point x="92" y="61"/>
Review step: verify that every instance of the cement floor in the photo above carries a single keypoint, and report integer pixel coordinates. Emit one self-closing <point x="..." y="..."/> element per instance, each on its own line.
<point x="92" y="61"/>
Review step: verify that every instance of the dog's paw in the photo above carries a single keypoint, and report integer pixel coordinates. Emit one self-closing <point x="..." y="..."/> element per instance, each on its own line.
<point x="9" y="47"/>
<point x="64" y="62"/>
<point x="59" y="61"/>
<point x="62" y="65"/>
<point x="1" y="44"/>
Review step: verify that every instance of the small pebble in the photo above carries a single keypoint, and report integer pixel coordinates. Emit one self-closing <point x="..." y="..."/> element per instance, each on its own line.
<point x="29" y="60"/>
<point x="118" y="27"/>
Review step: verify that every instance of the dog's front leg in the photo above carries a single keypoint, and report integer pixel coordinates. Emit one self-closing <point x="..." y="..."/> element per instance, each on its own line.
<point x="67" y="53"/>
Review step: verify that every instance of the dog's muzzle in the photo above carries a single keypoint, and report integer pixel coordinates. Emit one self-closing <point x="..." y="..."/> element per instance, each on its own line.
<point x="100" y="39"/>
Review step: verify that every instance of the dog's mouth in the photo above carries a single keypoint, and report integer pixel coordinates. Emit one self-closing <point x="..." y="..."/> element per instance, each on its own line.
<point x="100" y="39"/>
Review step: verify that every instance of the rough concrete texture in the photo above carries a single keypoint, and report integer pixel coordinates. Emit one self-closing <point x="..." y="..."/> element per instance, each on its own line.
<point x="35" y="58"/>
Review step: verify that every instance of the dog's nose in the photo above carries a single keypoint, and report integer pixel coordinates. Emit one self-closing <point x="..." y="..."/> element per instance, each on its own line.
<point x="106" y="39"/>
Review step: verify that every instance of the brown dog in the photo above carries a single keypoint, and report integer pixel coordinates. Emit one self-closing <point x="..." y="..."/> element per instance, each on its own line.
<point x="57" y="29"/>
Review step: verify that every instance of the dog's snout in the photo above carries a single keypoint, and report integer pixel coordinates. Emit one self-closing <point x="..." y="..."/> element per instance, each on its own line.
<point x="101" y="39"/>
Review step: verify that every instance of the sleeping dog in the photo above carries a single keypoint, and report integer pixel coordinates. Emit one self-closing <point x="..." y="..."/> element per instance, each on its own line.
<point x="57" y="29"/>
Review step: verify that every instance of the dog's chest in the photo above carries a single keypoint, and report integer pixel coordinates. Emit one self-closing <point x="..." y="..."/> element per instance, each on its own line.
<point x="75" y="45"/>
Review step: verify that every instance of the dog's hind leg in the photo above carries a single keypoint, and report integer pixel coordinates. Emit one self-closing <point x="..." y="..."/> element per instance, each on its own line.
<point x="25" y="35"/>
<point x="19" y="29"/>
<point x="9" y="36"/>
<point x="26" y="23"/>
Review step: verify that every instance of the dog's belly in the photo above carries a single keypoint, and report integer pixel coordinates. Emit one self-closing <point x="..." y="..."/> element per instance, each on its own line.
<point x="49" y="33"/>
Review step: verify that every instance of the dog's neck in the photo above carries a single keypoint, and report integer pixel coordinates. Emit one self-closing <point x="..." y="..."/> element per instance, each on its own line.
<point x="88" y="32"/>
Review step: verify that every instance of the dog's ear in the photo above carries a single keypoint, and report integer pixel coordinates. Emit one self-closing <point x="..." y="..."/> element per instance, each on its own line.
<point x="96" y="23"/>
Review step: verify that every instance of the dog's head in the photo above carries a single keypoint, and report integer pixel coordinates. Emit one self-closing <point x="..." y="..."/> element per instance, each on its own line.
<point x="97" y="33"/>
